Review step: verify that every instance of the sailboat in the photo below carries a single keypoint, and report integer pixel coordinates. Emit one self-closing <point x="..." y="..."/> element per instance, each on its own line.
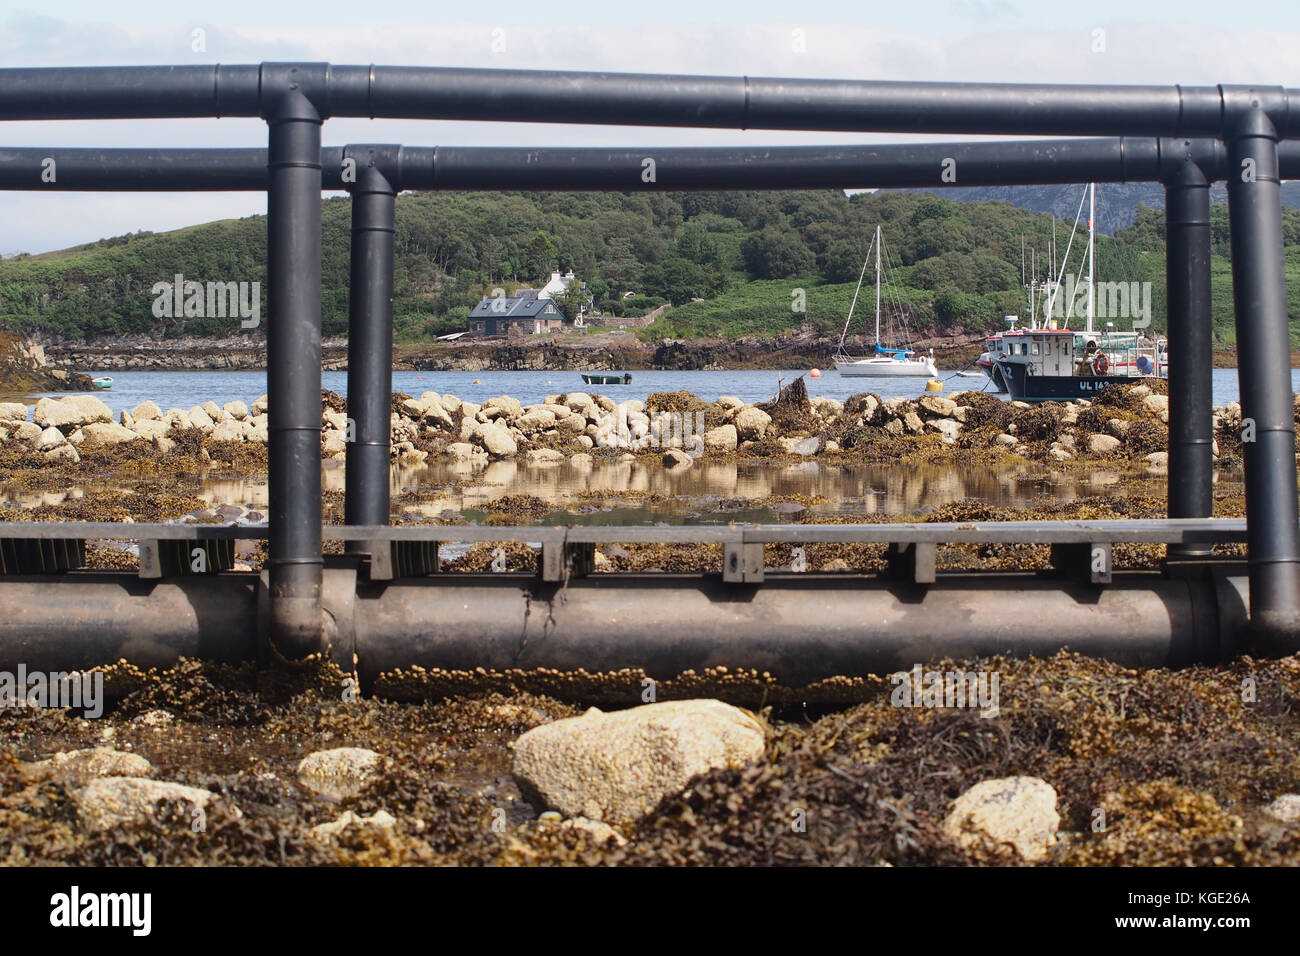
<point x="886" y="362"/>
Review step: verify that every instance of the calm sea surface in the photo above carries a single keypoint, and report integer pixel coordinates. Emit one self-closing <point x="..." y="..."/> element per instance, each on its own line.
<point x="185" y="389"/>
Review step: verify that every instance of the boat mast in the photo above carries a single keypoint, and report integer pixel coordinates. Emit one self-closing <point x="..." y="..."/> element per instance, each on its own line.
<point x="1092" y="219"/>
<point x="877" y="286"/>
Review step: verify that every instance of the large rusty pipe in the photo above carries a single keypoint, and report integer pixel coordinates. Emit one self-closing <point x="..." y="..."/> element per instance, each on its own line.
<point x="661" y="624"/>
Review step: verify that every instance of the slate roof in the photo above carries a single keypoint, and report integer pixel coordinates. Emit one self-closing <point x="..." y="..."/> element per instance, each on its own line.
<point x="521" y="306"/>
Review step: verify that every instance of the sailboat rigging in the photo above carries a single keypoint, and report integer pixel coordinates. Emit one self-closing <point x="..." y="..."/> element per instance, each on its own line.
<point x="887" y="361"/>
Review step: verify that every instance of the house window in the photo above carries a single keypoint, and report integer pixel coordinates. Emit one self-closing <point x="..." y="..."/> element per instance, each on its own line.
<point x="1034" y="350"/>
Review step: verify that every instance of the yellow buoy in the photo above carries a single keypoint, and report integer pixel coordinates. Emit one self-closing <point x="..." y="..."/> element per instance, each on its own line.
<point x="933" y="385"/>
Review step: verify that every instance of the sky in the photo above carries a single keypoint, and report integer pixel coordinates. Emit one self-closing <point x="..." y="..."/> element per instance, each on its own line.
<point x="1194" y="43"/>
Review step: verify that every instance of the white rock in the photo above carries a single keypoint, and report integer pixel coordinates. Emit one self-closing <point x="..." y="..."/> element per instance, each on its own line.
<point x="108" y="433"/>
<point x="543" y="456"/>
<point x="946" y="427"/>
<point x="260" y="406"/>
<point x="615" y="768"/>
<point x="721" y="439"/>
<point x="63" y="453"/>
<point x="146" y="411"/>
<point x="1019" y="812"/>
<point x="674" y="458"/>
<point x="380" y="820"/>
<point x="13" y="411"/>
<point x="89" y="763"/>
<point x="340" y="770"/>
<point x="50" y="438"/>
<point x="112" y="801"/>
<point x="498" y="442"/>
<point x="1103" y="444"/>
<point x="28" y="432"/>
<point x="70" y="412"/>
<point x="751" y="423"/>
<point x="1285" y="808"/>
<point x="464" y="451"/>
<point x="231" y="430"/>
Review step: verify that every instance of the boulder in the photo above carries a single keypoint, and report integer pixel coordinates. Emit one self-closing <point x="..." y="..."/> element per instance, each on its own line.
<point x="340" y="771"/>
<point x="946" y="427"/>
<point x="108" y="433"/>
<point x="213" y="411"/>
<point x="1285" y="808"/>
<point x="751" y="423"/>
<point x="1158" y="404"/>
<point x="721" y="439"/>
<point x="28" y="432"/>
<point x="149" y="428"/>
<point x="510" y="407"/>
<point x="200" y="419"/>
<point x="615" y="768"/>
<point x="1005" y="440"/>
<point x="535" y="420"/>
<point x="112" y="801"/>
<point x="936" y="406"/>
<point x="1019" y="812"/>
<point x="379" y="820"/>
<point x="236" y="410"/>
<point x="498" y="442"/>
<point x="675" y="458"/>
<point x="1103" y="444"/>
<point x="802" y="446"/>
<point x="581" y="460"/>
<point x="71" y="412"/>
<point x="333" y="442"/>
<point x="50" y="438"/>
<point x="543" y="456"/>
<point x="82" y="765"/>
<point x="13" y="411"/>
<point x="260" y="406"/>
<point x="464" y="451"/>
<point x="913" y="422"/>
<point x="729" y="402"/>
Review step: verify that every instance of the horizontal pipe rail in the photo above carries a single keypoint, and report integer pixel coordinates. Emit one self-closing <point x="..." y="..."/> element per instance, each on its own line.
<point x="451" y="168"/>
<point x="632" y="99"/>
<point x="800" y="628"/>
<point x="1163" y="531"/>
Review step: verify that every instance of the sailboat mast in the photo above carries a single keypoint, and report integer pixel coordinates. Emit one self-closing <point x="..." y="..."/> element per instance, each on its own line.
<point x="1092" y="247"/>
<point x="877" y="286"/>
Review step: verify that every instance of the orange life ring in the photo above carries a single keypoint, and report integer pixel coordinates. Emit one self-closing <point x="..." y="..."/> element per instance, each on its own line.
<point x="1102" y="363"/>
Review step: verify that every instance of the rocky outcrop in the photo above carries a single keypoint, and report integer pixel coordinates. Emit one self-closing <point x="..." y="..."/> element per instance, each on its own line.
<point x="25" y="368"/>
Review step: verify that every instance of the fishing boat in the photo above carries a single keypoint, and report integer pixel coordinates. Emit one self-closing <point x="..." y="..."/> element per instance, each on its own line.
<point x="103" y="381"/>
<point x="1047" y="363"/>
<point x="886" y="361"/>
<point x="598" y="378"/>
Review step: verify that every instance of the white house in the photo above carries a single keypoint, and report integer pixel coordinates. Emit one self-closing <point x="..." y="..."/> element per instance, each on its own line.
<point x="557" y="286"/>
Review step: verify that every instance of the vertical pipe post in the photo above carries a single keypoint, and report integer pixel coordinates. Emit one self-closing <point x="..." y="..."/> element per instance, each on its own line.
<point x="293" y="345"/>
<point x="1190" y="330"/>
<point x="370" y="346"/>
<point x="1264" y="374"/>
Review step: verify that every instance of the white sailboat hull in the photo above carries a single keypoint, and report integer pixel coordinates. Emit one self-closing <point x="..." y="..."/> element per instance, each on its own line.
<point x="887" y="368"/>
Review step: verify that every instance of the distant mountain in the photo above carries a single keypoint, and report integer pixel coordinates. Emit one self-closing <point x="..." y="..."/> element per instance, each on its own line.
<point x="1116" y="202"/>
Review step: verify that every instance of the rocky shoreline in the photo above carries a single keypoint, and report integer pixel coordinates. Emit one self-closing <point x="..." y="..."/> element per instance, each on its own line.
<point x="1126" y="423"/>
